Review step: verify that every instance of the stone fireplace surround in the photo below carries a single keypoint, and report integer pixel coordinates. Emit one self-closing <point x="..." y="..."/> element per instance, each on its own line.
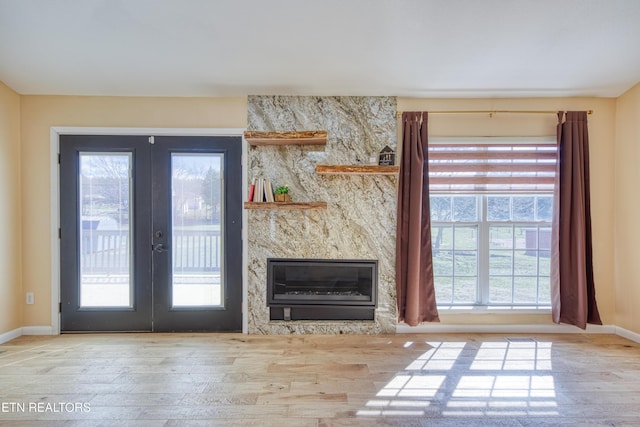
<point x="359" y="222"/>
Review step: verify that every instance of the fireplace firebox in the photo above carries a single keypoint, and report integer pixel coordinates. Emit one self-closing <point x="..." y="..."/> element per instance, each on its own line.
<point x="321" y="289"/>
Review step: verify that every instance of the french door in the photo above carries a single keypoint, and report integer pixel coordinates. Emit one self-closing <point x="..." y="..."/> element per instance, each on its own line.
<point x="150" y="233"/>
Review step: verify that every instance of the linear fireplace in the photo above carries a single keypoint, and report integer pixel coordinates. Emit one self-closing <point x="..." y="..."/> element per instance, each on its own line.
<point x="321" y="289"/>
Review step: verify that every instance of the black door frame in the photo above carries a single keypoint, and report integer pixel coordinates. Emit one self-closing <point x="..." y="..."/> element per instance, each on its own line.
<point x="184" y="319"/>
<point x="55" y="133"/>
<point x="138" y="318"/>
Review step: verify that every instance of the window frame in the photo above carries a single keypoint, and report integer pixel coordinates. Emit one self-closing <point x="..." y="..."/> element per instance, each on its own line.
<point x="483" y="246"/>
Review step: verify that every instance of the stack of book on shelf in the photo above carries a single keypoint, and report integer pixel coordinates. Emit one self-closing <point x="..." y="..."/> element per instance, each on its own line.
<point x="261" y="191"/>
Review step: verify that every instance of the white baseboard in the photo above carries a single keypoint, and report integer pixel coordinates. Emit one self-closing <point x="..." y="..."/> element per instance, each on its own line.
<point x="26" y="330"/>
<point x="436" y="328"/>
<point x="37" y="330"/>
<point x="625" y="333"/>
<point x="11" y="335"/>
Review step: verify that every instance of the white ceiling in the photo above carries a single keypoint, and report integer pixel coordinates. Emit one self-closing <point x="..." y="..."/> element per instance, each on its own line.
<point x="414" y="48"/>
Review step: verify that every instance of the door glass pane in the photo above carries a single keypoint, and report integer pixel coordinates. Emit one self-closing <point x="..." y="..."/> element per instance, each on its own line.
<point x="105" y="233"/>
<point x="196" y="209"/>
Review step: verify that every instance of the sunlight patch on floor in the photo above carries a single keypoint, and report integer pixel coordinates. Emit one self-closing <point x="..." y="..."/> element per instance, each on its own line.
<point x="512" y="378"/>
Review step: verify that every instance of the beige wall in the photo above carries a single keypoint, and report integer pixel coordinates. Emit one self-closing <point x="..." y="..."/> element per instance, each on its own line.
<point x="601" y="138"/>
<point x="11" y="301"/>
<point x="40" y="113"/>
<point x="627" y="209"/>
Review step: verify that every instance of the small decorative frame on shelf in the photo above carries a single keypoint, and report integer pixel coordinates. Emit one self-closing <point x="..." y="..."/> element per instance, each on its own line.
<point x="308" y="137"/>
<point x="285" y="205"/>
<point x="357" y="170"/>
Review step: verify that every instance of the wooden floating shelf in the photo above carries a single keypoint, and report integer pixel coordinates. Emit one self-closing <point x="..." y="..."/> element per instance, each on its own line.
<point x="285" y="205"/>
<point x="310" y="137"/>
<point x="357" y="170"/>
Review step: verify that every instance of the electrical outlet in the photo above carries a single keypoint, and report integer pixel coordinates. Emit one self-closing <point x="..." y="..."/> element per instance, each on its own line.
<point x="30" y="298"/>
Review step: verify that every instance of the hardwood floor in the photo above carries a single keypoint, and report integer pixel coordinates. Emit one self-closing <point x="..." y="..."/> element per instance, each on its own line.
<point x="342" y="380"/>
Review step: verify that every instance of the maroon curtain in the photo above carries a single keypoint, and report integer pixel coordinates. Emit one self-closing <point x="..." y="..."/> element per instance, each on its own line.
<point x="573" y="296"/>
<point x="414" y="262"/>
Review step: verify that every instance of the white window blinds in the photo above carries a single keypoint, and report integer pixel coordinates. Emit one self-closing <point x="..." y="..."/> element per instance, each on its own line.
<point x="492" y="165"/>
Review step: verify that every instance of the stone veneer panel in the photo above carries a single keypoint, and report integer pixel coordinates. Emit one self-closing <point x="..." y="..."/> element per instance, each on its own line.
<point x="360" y="219"/>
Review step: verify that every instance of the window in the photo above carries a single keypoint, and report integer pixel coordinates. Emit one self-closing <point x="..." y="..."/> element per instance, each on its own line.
<point x="491" y="208"/>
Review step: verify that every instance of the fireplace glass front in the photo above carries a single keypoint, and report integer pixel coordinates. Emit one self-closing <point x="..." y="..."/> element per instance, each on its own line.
<point x="311" y="287"/>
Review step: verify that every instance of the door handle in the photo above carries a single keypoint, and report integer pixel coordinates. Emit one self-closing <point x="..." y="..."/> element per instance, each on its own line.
<point x="159" y="247"/>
